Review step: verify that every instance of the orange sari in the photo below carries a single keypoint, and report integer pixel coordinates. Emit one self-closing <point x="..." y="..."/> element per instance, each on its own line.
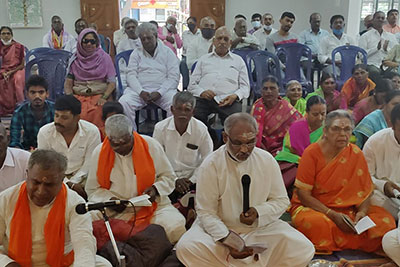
<point x="341" y="184"/>
<point x="352" y="93"/>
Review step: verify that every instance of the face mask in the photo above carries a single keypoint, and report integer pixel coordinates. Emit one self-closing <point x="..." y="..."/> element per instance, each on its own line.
<point x="207" y="33"/>
<point x="337" y="32"/>
<point x="191" y="26"/>
<point x="267" y="27"/>
<point x="256" y="24"/>
<point x="169" y="26"/>
<point x="6" y="43"/>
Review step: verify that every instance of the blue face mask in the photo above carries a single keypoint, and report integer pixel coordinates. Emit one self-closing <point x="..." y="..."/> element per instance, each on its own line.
<point x="337" y="32"/>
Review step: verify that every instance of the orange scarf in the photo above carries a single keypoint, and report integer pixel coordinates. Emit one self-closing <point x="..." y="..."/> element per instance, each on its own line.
<point x="20" y="246"/>
<point x="57" y="41"/>
<point x="144" y="169"/>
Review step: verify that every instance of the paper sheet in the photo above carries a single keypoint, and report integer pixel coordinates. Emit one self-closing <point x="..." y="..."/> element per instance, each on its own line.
<point x="141" y="201"/>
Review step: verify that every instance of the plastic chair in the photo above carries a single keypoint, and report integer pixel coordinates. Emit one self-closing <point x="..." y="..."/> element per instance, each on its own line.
<point x="149" y="108"/>
<point x="53" y="69"/>
<point x="265" y="63"/>
<point x="125" y="56"/>
<point x="348" y="54"/>
<point x="108" y="45"/>
<point x="45" y="52"/>
<point x="292" y="54"/>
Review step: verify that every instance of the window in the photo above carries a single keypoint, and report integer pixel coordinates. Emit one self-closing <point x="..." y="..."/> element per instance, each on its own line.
<point x="371" y="6"/>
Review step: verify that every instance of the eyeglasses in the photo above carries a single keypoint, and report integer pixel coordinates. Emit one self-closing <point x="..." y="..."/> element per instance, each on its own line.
<point x="337" y="129"/>
<point x="6" y="33"/>
<point x="86" y="41"/>
<point x="237" y="145"/>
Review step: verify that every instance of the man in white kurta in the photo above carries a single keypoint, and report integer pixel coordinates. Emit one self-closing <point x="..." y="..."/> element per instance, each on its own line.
<point x="242" y="39"/>
<point x="78" y="228"/>
<point x="123" y="181"/>
<point x="153" y="74"/>
<point x="219" y="202"/>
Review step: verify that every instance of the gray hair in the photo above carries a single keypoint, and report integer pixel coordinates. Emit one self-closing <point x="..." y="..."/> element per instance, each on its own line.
<point x="146" y="27"/>
<point x="206" y="18"/>
<point x="48" y="159"/>
<point x="134" y="21"/>
<point x="237" y="117"/>
<point x="172" y="17"/>
<point x="292" y="82"/>
<point x="123" y="20"/>
<point x="339" y="113"/>
<point x="183" y="98"/>
<point x="118" y="126"/>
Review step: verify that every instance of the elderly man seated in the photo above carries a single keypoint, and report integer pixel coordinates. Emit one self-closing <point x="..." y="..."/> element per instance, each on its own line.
<point x="127" y="165"/>
<point x="242" y="39"/>
<point x="382" y="152"/>
<point x="133" y="41"/>
<point x="153" y="74"/>
<point x="201" y="44"/>
<point x="185" y="140"/>
<point x="219" y="203"/>
<point x="169" y="35"/>
<point x="38" y="222"/>
<point x="73" y="137"/>
<point x="266" y="29"/>
<point x="57" y="38"/>
<point x="219" y="81"/>
<point x="13" y="162"/>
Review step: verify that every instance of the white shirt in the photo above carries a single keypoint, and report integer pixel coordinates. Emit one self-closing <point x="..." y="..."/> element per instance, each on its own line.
<point x="197" y="48"/>
<point x="68" y="43"/>
<point x="78" y="229"/>
<point x="119" y="35"/>
<point x="187" y="39"/>
<point x="128" y="44"/>
<point x="219" y="196"/>
<point x="159" y="73"/>
<point x="14" y="167"/>
<point x="261" y="35"/>
<point x="123" y="177"/>
<point x="369" y="42"/>
<point x="382" y="153"/>
<point x="79" y="151"/>
<point x="247" y="41"/>
<point x="223" y="75"/>
<point x="330" y="42"/>
<point x="180" y="149"/>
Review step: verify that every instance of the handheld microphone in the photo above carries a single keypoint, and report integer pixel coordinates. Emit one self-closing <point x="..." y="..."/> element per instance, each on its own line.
<point x="246" y="187"/>
<point x="85" y="207"/>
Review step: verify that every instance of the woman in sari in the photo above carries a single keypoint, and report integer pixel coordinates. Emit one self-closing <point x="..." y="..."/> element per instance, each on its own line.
<point x="333" y="183"/>
<point x="274" y="116"/>
<point x="301" y="134"/>
<point x="358" y="87"/>
<point x="294" y="92"/>
<point x="328" y="91"/>
<point x="12" y="73"/>
<point x="91" y="77"/>
<point x="376" y="120"/>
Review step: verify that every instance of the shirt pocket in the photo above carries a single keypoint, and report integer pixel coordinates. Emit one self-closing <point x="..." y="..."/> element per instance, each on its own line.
<point x="231" y="74"/>
<point x="190" y="156"/>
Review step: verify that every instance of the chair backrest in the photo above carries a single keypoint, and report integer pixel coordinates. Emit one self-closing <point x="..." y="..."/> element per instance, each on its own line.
<point x="46" y="51"/>
<point x="293" y="54"/>
<point x="348" y="54"/>
<point x="261" y="64"/>
<point x="125" y="56"/>
<point x="243" y="52"/>
<point x="108" y="45"/>
<point x="53" y="69"/>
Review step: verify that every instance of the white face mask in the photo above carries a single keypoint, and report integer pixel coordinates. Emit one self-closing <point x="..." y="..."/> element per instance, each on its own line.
<point x="256" y="24"/>
<point x="267" y="27"/>
<point x="6" y="43"/>
<point x="169" y="26"/>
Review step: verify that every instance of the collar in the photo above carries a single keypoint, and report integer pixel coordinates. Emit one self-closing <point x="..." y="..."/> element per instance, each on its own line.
<point x="9" y="160"/>
<point x="46" y="106"/>
<point x="319" y="32"/>
<point x="171" y="126"/>
<point x="376" y="31"/>
<point x="80" y="132"/>
<point x="159" y="44"/>
<point x="229" y="54"/>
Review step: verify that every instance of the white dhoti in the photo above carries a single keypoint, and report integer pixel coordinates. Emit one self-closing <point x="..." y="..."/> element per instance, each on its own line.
<point x="132" y="102"/>
<point x="391" y="245"/>
<point x="389" y="204"/>
<point x="286" y="247"/>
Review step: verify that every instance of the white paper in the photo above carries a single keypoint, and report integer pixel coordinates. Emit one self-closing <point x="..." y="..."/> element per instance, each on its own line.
<point x="364" y="224"/>
<point x="141" y="201"/>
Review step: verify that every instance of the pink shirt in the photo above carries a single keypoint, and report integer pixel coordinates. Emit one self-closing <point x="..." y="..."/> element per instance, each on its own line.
<point x="162" y="35"/>
<point x="389" y="28"/>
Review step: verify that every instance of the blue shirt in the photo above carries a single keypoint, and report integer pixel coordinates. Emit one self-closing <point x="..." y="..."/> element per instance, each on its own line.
<point x="23" y="119"/>
<point x="312" y="40"/>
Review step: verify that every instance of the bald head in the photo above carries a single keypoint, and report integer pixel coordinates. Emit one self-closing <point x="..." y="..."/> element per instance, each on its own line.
<point x="240" y="27"/>
<point x="207" y="22"/>
<point x="240" y="118"/>
<point x="222" y="41"/>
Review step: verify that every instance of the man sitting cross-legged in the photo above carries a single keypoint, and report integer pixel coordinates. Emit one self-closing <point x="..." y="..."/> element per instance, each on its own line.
<point x="38" y="222"/>
<point x="127" y="165"/>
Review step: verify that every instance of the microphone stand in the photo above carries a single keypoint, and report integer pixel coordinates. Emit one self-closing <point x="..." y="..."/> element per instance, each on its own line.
<point x="120" y="258"/>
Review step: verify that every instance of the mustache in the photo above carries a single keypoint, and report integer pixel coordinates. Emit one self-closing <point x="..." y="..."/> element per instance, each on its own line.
<point x="37" y="99"/>
<point x="59" y="125"/>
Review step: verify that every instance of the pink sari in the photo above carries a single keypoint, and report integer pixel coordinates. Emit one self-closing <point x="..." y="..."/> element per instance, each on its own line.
<point x="273" y="124"/>
<point x="12" y="90"/>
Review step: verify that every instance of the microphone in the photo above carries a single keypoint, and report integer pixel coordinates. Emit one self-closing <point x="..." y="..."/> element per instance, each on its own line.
<point x="246" y="186"/>
<point x="85" y="207"/>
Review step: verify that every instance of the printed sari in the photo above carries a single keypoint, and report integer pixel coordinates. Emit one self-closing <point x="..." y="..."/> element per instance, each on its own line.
<point x="300" y="105"/>
<point x="352" y="93"/>
<point x="371" y="123"/>
<point x="342" y="185"/>
<point x="273" y="123"/>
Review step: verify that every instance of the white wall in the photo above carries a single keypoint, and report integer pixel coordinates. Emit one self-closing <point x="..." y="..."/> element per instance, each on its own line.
<point x="301" y="8"/>
<point x="68" y="10"/>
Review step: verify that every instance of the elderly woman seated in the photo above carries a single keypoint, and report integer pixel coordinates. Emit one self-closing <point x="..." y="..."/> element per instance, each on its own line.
<point x="301" y="134"/>
<point x="358" y="87"/>
<point x="328" y="91"/>
<point x="91" y="77"/>
<point x="376" y="120"/>
<point x="294" y="93"/>
<point x="12" y="74"/>
<point x="274" y="116"/>
<point x="333" y="183"/>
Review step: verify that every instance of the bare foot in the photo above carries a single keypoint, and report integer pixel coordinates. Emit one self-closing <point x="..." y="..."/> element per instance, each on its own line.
<point x="390" y="264"/>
